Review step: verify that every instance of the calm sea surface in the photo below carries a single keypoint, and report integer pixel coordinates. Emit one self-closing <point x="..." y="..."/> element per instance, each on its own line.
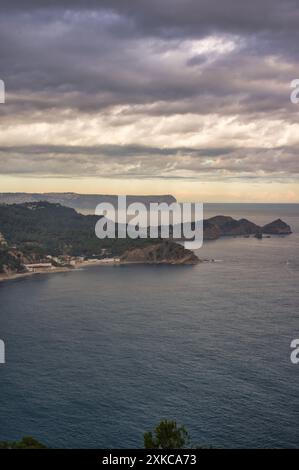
<point x="96" y="357"/>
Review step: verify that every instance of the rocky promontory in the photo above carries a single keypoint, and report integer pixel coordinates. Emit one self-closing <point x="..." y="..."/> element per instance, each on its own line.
<point x="211" y="231"/>
<point x="226" y="226"/>
<point x="277" y="227"/>
<point x="166" y="252"/>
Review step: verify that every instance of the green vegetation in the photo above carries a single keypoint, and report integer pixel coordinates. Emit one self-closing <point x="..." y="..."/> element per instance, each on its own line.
<point x="43" y="228"/>
<point x="7" y="259"/>
<point x="25" y="443"/>
<point x="167" y="435"/>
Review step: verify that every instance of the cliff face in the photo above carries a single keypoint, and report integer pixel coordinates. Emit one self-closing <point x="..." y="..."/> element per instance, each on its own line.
<point x="228" y="226"/>
<point x="160" y="253"/>
<point x="277" y="227"/>
<point x="210" y="230"/>
<point x="220" y="220"/>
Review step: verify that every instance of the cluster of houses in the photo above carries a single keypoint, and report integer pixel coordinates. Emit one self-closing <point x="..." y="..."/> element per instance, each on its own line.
<point x="38" y="267"/>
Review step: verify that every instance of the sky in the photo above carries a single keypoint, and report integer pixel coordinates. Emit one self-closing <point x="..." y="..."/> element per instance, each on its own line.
<point x="182" y="97"/>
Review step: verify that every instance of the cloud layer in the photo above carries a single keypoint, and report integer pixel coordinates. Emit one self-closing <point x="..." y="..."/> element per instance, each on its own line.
<point x="162" y="89"/>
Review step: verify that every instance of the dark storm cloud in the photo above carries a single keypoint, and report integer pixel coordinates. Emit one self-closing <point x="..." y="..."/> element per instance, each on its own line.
<point x="190" y="15"/>
<point x="89" y="47"/>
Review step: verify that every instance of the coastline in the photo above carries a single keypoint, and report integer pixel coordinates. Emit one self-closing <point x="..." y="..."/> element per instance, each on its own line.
<point x="13" y="276"/>
<point x="83" y="264"/>
<point x="107" y="262"/>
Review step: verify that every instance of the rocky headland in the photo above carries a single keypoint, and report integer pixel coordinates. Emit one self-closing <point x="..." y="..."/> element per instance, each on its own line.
<point x="165" y="252"/>
<point x="277" y="227"/>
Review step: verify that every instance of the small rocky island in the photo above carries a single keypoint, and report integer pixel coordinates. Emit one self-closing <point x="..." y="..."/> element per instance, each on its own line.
<point x="278" y="227"/>
<point x="170" y="252"/>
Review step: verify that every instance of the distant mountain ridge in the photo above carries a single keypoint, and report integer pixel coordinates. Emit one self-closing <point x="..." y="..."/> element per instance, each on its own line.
<point x="80" y="202"/>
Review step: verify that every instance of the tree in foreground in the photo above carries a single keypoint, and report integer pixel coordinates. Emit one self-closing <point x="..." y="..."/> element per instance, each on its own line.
<point x="26" y="443"/>
<point x="167" y="435"/>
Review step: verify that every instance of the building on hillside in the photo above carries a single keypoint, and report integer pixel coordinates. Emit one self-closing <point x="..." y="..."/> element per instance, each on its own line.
<point x="38" y="267"/>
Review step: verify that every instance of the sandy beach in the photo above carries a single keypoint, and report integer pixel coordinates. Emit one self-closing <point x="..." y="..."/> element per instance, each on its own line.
<point x="83" y="264"/>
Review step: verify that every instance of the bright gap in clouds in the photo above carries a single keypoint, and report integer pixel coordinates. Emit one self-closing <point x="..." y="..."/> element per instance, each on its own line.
<point x="212" y="45"/>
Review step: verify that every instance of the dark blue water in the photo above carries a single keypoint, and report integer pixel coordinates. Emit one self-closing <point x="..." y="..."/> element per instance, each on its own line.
<point x="97" y="357"/>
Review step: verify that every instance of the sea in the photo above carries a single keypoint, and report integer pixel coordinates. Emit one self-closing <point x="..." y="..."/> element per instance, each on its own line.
<point x="98" y="356"/>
